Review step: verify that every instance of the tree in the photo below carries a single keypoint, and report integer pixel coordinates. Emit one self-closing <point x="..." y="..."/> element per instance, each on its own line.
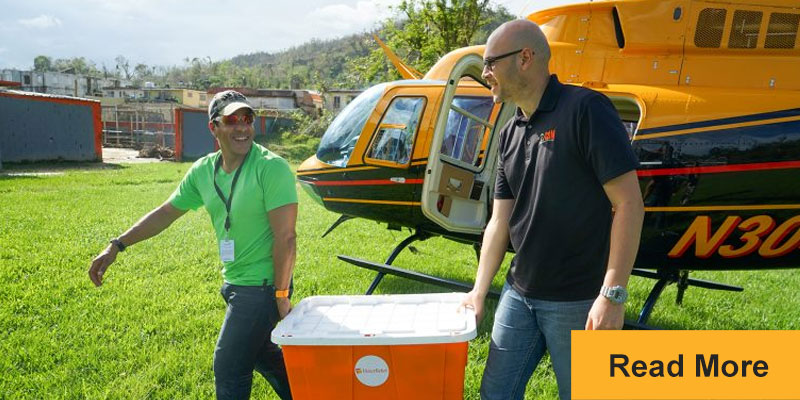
<point x="42" y="63"/>
<point x="76" y="65"/>
<point x="141" y="71"/>
<point x="422" y="31"/>
<point x="123" y="65"/>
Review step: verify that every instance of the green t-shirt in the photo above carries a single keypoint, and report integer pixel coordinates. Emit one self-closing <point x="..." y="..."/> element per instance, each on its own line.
<point x="265" y="183"/>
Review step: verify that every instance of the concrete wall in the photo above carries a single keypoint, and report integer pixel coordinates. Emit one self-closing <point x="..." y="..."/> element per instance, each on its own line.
<point x="275" y="103"/>
<point x="194" y="98"/>
<point x="345" y="97"/>
<point x="45" y="128"/>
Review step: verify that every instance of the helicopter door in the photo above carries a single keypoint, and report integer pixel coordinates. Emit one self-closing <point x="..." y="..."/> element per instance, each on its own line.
<point x="459" y="177"/>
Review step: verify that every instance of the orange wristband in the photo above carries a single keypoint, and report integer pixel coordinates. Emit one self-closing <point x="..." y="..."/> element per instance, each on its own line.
<point x="282" y="294"/>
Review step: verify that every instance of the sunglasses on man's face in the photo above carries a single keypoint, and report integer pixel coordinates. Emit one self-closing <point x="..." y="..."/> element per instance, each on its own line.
<point x="488" y="62"/>
<point x="237" y="119"/>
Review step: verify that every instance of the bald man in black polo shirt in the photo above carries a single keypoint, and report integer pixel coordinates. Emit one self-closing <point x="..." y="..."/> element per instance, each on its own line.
<point x="564" y="163"/>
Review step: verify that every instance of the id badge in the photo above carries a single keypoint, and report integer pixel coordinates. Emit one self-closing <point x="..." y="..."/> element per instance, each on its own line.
<point x="226" y="250"/>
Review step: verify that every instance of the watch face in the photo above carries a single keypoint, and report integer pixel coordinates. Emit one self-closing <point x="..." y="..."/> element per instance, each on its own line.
<point x="616" y="294"/>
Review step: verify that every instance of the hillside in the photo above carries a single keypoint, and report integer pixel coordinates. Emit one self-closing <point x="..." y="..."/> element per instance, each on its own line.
<point x="353" y="61"/>
<point x="320" y="63"/>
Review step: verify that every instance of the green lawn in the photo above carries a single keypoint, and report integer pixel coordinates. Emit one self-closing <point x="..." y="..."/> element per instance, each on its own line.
<point x="149" y="331"/>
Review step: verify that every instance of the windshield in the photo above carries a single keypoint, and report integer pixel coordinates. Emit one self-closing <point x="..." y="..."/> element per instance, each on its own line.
<point x="339" y="140"/>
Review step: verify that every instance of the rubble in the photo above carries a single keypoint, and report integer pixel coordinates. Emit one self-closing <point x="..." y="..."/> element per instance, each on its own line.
<point x="153" y="150"/>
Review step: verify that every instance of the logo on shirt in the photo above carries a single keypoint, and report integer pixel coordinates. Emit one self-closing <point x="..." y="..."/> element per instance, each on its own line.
<point x="548" y="136"/>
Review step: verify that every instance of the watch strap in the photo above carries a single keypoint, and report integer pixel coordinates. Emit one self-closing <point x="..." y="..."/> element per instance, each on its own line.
<point x="120" y="246"/>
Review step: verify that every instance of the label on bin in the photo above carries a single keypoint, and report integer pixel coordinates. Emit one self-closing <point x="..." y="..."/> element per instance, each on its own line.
<point x="372" y="371"/>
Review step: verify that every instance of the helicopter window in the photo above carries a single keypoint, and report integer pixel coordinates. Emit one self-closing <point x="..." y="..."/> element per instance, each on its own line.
<point x="340" y="139"/>
<point x="744" y="31"/>
<point x="464" y="133"/>
<point x="395" y="136"/>
<point x="782" y="31"/>
<point x="709" y="29"/>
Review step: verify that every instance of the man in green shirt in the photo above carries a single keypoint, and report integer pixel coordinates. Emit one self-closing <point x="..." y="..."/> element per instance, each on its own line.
<point x="249" y="193"/>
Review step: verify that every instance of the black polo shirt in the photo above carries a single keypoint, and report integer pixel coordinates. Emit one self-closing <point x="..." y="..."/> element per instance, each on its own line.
<point x="554" y="166"/>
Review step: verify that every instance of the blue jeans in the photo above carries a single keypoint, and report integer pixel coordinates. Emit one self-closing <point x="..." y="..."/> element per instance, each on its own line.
<point x="523" y="329"/>
<point x="244" y="343"/>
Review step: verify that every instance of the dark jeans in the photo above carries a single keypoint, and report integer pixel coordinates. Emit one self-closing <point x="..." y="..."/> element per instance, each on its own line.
<point x="244" y="343"/>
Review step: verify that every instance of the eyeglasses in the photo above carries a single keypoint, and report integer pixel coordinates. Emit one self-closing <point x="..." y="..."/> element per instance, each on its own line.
<point x="488" y="62"/>
<point x="237" y="119"/>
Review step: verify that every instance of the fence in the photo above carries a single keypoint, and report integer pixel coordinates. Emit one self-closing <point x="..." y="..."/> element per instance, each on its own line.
<point x="134" y="125"/>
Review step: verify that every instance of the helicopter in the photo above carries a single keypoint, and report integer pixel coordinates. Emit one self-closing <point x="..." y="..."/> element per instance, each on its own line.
<point x="707" y="90"/>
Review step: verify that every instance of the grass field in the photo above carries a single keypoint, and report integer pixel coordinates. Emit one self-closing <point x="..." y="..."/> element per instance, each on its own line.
<point x="149" y="332"/>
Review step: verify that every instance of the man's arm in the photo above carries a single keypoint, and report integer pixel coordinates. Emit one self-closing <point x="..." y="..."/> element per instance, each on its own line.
<point x="148" y="226"/>
<point x="282" y="220"/>
<point x="625" y="196"/>
<point x="493" y="249"/>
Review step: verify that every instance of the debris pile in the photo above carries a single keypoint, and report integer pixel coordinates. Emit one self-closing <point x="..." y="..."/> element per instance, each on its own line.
<point x="153" y="150"/>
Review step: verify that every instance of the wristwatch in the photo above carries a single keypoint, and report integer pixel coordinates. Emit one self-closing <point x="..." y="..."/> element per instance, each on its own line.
<point x="282" y="294"/>
<point x="617" y="294"/>
<point x="120" y="246"/>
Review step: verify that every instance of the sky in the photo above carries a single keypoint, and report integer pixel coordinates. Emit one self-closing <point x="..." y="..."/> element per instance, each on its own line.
<point x="166" y="32"/>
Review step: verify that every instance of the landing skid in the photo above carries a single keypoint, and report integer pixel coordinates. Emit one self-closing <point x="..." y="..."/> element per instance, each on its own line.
<point x="681" y="278"/>
<point x="338" y="222"/>
<point x="384" y="269"/>
<point x="387" y="268"/>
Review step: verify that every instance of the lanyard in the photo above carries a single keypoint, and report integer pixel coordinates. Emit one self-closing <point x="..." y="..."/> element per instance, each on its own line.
<point x="229" y="200"/>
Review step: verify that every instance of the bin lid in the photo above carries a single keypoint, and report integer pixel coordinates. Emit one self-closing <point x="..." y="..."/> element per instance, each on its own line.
<point x="377" y="320"/>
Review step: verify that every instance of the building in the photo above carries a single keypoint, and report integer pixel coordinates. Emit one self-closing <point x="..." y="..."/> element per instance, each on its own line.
<point x="186" y="97"/>
<point x="61" y="83"/>
<point x="308" y="101"/>
<point x="126" y="93"/>
<point x="337" y="99"/>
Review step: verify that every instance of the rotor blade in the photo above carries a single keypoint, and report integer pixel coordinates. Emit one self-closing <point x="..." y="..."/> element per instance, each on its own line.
<point x="405" y="70"/>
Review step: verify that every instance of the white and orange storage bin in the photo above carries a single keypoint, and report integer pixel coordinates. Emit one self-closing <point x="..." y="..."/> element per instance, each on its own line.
<point x="377" y="347"/>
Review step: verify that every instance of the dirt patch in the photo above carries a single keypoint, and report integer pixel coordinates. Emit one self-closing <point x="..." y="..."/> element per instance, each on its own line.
<point x="115" y="155"/>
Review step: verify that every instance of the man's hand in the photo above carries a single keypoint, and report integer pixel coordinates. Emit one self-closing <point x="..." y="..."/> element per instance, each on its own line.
<point x="605" y="315"/>
<point x="148" y="226"/>
<point x="101" y="263"/>
<point x="474" y="301"/>
<point x="284" y="307"/>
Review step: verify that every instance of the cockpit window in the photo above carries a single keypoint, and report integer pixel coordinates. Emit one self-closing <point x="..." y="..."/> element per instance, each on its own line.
<point x="395" y="136"/>
<point x="339" y="140"/>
